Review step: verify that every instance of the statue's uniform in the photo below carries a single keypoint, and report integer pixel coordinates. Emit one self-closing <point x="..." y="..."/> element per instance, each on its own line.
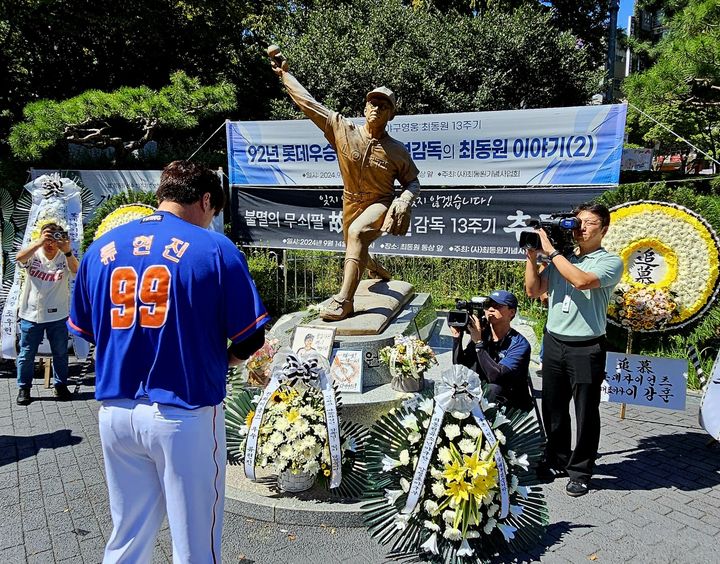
<point x="369" y="167"/>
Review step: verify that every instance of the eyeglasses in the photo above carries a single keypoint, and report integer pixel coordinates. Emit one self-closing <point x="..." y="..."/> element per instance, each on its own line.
<point x="590" y="223"/>
<point x="495" y="305"/>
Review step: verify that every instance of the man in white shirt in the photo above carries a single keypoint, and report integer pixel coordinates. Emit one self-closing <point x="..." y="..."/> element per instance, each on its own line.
<point x="43" y="307"/>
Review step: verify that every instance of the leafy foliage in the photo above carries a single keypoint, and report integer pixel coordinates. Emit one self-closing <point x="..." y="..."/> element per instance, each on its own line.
<point x="682" y="89"/>
<point x="125" y="119"/>
<point x="435" y="62"/>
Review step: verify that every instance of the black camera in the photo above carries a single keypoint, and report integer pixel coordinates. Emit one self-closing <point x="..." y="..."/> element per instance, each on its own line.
<point x="559" y="228"/>
<point x="59" y="235"/>
<point x="460" y="316"/>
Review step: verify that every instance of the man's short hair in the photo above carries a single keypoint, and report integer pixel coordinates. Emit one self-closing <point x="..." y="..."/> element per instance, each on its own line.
<point x="598" y="209"/>
<point x="185" y="182"/>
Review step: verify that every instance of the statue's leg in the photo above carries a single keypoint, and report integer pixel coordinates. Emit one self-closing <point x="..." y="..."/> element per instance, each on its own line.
<point x="363" y="231"/>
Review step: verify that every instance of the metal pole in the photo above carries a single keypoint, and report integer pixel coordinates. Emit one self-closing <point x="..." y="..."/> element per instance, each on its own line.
<point x="612" y="46"/>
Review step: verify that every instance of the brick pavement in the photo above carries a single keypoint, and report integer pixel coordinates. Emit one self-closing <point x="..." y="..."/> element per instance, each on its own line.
<point x="655" y="496"/>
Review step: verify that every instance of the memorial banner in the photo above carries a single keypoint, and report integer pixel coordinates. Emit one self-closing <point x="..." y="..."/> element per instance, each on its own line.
<point x="576" y="146"/>
<point x="645" y="380"/>
<point x="455" y="223"/>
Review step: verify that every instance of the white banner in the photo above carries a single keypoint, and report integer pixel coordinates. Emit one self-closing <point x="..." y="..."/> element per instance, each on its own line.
<point x="107" y="183"/>
<point x="543" y="147"/>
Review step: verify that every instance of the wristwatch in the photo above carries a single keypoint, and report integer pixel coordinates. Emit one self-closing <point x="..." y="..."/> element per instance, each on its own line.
<point x="554" y="254"/>
<point x="68" y="254"/>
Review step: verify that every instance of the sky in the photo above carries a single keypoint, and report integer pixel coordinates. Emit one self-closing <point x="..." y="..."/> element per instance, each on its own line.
<point x="626" y="9"/>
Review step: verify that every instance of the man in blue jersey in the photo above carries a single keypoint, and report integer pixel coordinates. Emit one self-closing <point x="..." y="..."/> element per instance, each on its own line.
<point x="161" y="297"/>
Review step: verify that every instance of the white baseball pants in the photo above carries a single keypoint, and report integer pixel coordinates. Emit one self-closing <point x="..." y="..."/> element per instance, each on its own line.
<point x="163" y="460"/>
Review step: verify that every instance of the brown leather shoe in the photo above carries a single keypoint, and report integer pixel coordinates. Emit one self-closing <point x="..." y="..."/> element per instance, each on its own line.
<point x="336" y="309"/>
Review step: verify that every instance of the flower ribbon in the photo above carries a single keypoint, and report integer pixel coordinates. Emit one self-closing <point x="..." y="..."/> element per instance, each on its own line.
<point x="292" y="371"/>
<point x="461" y="391"/>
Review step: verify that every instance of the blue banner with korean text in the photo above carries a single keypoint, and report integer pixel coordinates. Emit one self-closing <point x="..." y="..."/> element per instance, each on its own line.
<point x="576" y="146"/>
<point x="453" y="222"/>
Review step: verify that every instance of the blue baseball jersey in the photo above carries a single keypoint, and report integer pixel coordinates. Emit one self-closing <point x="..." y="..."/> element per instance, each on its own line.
<point x="160" y="297"/>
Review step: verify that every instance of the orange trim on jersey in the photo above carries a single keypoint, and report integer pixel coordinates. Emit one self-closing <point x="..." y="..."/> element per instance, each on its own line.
<point x="253" y="324"/>
<point x="72" y="324"/>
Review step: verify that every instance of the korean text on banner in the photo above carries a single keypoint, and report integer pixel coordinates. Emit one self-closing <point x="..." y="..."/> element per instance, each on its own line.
<point x="542" y="147"/>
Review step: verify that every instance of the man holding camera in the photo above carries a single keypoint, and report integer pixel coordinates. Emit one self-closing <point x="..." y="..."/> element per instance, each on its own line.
<point x="579" y="286"/>
<point x="43" y="308"/>
<point x="498" y="353"/>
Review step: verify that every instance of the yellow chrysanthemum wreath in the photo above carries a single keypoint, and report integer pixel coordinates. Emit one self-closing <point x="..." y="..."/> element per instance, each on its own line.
<point x="671" y="258"/>
<point x="121" y="216"/>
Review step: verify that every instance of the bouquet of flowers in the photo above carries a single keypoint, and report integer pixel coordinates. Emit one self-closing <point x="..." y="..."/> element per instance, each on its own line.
<point x="407" y="359"/>
<point x="450" y="475"/>
<point x="121" y="216"/>
<point x="642" y="308"/>
<point x="288" y="428"/>
<point x="260" y="362"/>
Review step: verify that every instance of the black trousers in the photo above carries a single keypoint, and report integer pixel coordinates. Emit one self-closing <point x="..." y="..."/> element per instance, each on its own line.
<point x="572" y="369"/>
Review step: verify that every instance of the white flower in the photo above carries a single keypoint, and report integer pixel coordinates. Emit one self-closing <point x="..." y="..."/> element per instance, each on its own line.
<point x="516" y="510"/>
<point x="307" y="410"/>
<point x="405" y="485"/>
<point x="427" y="405"/>
<point x="500" y="419"/>
<point x="472" y="534"/>
<point x="493" y="509"/>
<point x="410" y="422"/>
<point x="311" y="467"/>
<point x="500" y="436"/>
<point x="444" y="455"/>
<point x="465" y="549"/>
<point x="448" y="516"/>
<point x="401" y="521"/>
<point x="467" y="446"/>
<point x="522" y="461"/>
<point x="452" y="431"/>
<point x="438" y="489"/>
<point x="489" y="526"/>
<point x="523" y="491"/>
<point x="404" y="457"/>
<point x="460" y="415"/>
<point x="426" y="423"/>
<point x="301" y="426"/>
<point x="282" y="424"/>
<point x="414" y="437"/>
<point x="436" y="473"/>
<point x="276" y="439"/>
<point x="286" y="451"/>
<point x="452" y="534"/>
<point x="392" y="496"/>
<point x="473" y="431"/>
<point x="319" y="431"/>
<point x="508" y="531"/>
<point x="430" y="545"/>
<point x="389" y="463"/>
<point x="431" y="507"/>
<point x="432" y="526"/>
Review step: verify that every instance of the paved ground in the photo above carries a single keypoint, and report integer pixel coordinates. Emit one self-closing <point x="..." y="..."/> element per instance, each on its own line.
<point x="655" y="497"/>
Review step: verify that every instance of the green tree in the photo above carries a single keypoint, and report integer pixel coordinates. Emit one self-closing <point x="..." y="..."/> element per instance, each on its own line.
<point x="125" y="119"/>
<point x="436" y="62"/>
<point x="682" y="89"/>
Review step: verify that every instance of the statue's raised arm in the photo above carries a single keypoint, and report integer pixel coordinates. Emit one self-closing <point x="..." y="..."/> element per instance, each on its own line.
<point x="370" y="163"/>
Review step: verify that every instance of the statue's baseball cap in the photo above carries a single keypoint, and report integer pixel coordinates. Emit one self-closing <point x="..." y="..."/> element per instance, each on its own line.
<point x="383" y="92"/>
<point x="505" y="298"/>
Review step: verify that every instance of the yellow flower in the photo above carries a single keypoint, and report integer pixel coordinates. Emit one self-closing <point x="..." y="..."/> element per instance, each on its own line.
<point x="293" y="415"/>
<point x="249" y="417"/>
<point x="458" y="491"/>
<point x="481" y="485"/>
<point x="454" y="472"/>
<point x="327" y="472"/>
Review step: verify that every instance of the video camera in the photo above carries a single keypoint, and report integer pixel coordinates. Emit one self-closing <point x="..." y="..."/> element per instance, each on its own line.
<point x="559" y="229"/>
<point x="460" y="316"/>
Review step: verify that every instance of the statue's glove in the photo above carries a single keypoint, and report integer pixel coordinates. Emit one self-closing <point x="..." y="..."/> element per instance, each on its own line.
<point x="397" y="219"/>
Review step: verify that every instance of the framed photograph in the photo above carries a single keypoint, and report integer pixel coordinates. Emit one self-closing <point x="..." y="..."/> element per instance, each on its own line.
<point x="346" y="371"/>
<point x="309" y="340"/>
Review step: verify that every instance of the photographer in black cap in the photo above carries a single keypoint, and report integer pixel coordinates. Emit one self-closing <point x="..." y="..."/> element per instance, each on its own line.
<point x="498" y="353"/>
